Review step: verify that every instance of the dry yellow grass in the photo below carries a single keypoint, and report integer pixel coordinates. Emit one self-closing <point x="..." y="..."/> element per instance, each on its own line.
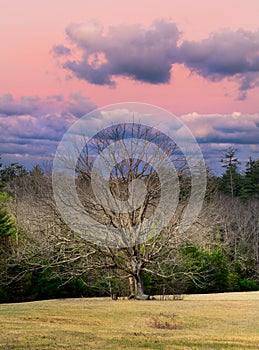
<point x="223" y="321"/>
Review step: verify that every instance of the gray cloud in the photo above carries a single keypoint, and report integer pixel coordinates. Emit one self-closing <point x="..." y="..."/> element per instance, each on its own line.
<point x="148" y="54"/>
<point x="57" y="98"/>
<point x="61" y="50"/>
<point x="128" y="50"/>
<point x="224" y="55"/>
<point x="235" y="128"/>
<point x="35" y="135"/>
<point x="31" y="127"/>
<point x="79" y="105"/>
<point x="9" y="106"/>
<point x="216" y="132"/>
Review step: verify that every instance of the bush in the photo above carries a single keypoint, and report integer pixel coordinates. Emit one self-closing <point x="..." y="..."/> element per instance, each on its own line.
<point x="211" y="267"/>
<point x="247" y="285"/>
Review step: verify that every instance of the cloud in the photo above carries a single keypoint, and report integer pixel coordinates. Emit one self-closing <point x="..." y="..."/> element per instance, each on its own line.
<point x="224" y="55"/>
<point x="35" y="135"/>
<point x="148" y="54"/>
<point x="60" y="50"/>
<point x="235" y="128"/>
<point x="57" y="98"/>
<point x="9" y="106"/>
<point x="31" y="127"/>
<point x="131" y="51"/>
<point x="217" y="132"/>
<point x="79" y="105"/>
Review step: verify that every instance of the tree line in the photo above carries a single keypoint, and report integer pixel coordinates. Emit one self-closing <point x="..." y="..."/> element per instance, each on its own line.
<point x="41" y="257"/>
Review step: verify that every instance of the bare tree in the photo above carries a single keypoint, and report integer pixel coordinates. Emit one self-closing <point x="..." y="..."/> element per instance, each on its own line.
<point x="234" y="223"/>
<point x="129" y="209"/>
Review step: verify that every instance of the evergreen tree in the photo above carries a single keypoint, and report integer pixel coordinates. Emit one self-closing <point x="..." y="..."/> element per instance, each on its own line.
<point x="7" y="223"/>
<point x="251" y="180"/>
<point x="231" y="181"/>
<point x="10" y="172"/>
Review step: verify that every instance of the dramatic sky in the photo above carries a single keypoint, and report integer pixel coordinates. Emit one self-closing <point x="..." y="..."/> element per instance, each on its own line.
<point x="61" y="59"/>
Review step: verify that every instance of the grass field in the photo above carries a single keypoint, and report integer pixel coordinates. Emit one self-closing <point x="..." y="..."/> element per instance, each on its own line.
<point x="219" y="321"/>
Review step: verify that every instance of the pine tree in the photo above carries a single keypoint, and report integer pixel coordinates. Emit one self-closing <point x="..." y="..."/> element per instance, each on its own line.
<point x="231" y="181"/>
<point x="251" y="180"/>
<point x="10" y="172"/>
<point x="7" y="224"/>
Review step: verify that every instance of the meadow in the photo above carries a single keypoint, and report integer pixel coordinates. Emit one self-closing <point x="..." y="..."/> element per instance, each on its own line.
<point x="214" y="321"/>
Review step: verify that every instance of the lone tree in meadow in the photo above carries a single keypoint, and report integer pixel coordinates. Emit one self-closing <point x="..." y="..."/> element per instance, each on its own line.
<point x="132" y="202"/>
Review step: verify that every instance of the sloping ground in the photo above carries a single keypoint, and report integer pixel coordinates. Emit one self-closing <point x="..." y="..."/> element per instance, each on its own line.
<point x="215" y="321"/>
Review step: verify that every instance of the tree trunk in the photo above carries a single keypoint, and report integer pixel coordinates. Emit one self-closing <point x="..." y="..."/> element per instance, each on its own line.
<point x="139" y="289"/>
<point x="131" y="285"/>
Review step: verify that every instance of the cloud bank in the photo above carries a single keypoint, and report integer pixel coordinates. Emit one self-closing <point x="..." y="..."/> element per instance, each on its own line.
<point x="31" y="128"/>
<point x="216" y="132"/>
<point x="149" y="54"/>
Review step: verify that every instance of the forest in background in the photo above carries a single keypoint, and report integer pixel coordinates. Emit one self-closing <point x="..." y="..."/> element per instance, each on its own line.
<point x="41" y="258"/>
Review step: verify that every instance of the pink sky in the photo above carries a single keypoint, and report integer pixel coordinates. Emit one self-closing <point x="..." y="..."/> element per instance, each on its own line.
<point x="30" y="29"/>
